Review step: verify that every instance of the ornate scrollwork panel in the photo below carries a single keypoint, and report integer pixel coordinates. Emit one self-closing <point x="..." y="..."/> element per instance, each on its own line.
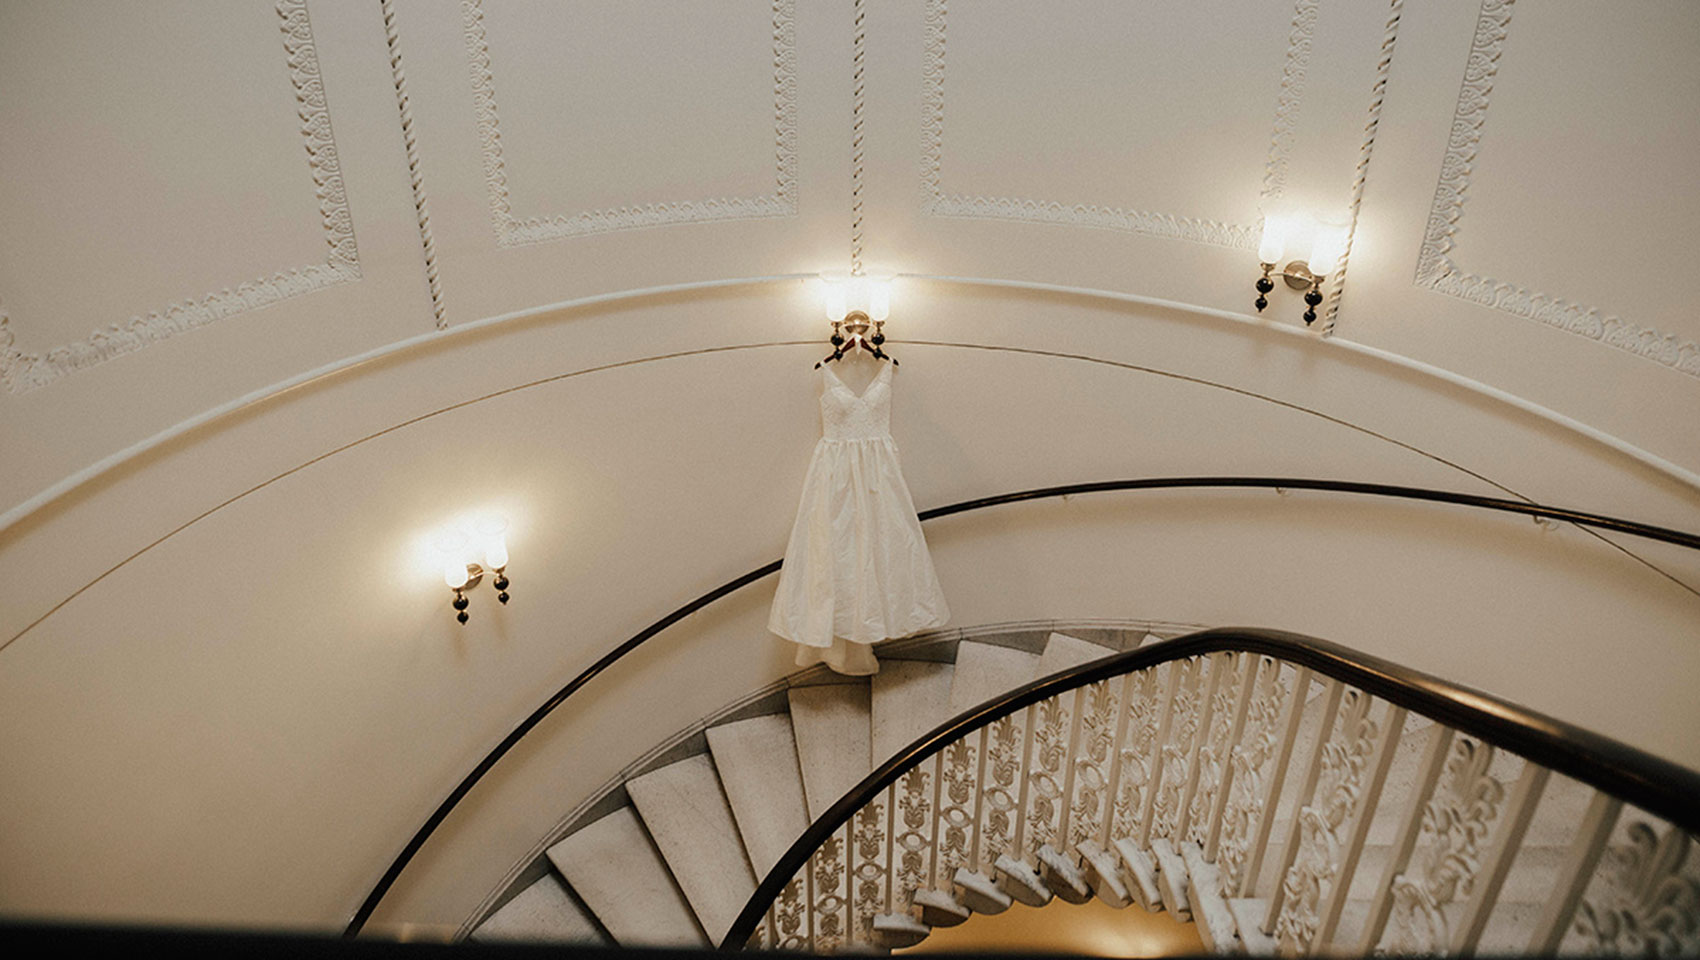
<point x="959" y="781"/>
<point x="1213" y="754"/>
<point x="829" y="892"/>
<point x="1099" y="710"/>
<point x="1001" y="796"/>
<point x="788" y="914"/>
<point x="1249" y="759"/>
<point x="870" y="866"/>
<point x="1645" y="898"/>
<point x="1138" y="751"/>
<point x="1046" y="771"/>
<point x="1323" y="824"/>
<point x="1451" y="840"/>
<point x="912" y="833"/>
<point x="1176" y="755"/>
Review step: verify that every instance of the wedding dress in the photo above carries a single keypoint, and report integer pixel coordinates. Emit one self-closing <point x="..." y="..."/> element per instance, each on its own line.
<point x="856" y="569"/>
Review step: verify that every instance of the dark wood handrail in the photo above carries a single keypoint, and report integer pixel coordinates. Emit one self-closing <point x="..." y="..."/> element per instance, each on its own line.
<point x="1537" y="510"/>
<point x="1656" y="785"/>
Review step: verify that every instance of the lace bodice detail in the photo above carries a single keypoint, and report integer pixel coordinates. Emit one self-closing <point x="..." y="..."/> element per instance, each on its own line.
<point x="845" y="416"/>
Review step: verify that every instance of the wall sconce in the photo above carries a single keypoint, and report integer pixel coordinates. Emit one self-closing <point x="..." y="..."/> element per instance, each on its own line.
<point x="1327" y="246"/>
<point x="461" y="574"/>
<point x="851" y="306"/>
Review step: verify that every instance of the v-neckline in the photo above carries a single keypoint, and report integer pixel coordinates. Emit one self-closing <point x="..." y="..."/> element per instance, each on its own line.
<point x="871" y="383"/>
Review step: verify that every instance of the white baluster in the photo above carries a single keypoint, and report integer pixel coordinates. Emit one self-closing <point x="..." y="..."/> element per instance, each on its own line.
<point x="1577" y="870"/>
<point x="1519" y="810"/>
<point x="1155" y="782"/>
<point x="1289" y="852"/>
<point x="1277" y="779"/>
<point x="1366" y="803"/>
<point x="1219" y="664"/>
<point x="1428" y="774"/>
<point x="1213" y="835"/>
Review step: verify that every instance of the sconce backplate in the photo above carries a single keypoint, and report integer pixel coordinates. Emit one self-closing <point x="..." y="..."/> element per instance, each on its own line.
<point x="474" y="573"/>
<point x="1298" y="275"/>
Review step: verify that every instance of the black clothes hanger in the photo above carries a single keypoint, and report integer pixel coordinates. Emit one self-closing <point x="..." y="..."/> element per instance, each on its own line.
<point x="856" y="325"/>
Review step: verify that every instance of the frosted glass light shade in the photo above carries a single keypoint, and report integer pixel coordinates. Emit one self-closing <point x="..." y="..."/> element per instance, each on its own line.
<point x="879" y="299"/>
<point x="493" y="531"/>
<point x="1274" y="240"/>
<point x="1327" y="249"/>
<point x="835" y="298"/>
<point x="451" y="552"/>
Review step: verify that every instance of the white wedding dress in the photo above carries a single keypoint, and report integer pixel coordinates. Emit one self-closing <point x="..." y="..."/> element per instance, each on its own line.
<point x="856" y="569"/>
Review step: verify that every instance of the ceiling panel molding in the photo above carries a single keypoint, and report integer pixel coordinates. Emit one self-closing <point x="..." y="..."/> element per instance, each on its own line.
<point x="941" y="202"/>
<point x="1436" y="269"/>
<point x="415" y="172"/>
<point x="512" y="230"/>
<point x="22" y="371"/>
<point x="1360" y="173"/>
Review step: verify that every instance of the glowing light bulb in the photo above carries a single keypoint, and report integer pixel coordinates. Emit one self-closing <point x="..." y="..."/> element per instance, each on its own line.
<point x="493" y="530"/>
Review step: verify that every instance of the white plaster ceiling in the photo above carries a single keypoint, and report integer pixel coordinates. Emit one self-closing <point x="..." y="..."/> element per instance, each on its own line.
<point x="202" y="199"/>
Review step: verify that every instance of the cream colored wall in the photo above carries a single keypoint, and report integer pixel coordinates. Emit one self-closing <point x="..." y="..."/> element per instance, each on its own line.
<point x="256" y="712"/>
<point x="230" y="689"/>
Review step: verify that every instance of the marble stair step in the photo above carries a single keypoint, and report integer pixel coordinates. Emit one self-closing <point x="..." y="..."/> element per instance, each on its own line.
<point x="910" y="697"/>
<point x="1063" y="651"/>
<point x="832" y="723"/>
<point x="757" y="762"/>
<point x="617" y="872"/>
<point x="541" y="913"/>
<point x="985" y="670"/>
<point x="691" y="822"/>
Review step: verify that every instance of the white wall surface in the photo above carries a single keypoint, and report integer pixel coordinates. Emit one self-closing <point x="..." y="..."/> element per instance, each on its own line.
<point x="256" y="712"/>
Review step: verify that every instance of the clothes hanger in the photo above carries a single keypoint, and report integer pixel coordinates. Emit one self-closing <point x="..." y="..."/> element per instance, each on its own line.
<point x="856" y="325"/>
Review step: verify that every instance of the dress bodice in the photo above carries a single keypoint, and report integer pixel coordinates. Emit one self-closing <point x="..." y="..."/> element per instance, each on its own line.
<point x="846" y="416"/>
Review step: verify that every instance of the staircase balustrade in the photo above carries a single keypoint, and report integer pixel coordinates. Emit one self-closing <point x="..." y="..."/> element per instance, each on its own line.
<point x="1005" y="829"/>
<point x="1243" y="778"/>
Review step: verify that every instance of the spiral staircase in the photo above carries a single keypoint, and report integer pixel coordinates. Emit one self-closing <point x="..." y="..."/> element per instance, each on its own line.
<point x="1278" y="807"/>
<point x="676" y="864"/>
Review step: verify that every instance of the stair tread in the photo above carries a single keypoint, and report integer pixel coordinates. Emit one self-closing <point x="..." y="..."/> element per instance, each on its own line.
<point x="984" y="670"/>
<point x="542" y="912"/>
<point x="910" y="697"/>
<point x="1063" y="651"/>
<point x="618" y="873"/>
<point x="757" y="762"/>
<point x="834" y="748"/>
<point x="691" y="822"/>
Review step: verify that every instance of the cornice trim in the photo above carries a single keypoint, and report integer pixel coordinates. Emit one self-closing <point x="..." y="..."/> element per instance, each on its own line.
<point x="21" y="371"/>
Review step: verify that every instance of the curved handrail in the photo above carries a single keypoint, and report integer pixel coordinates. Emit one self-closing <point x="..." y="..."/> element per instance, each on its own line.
<point x="414" y="845"/>
<point x="1656" y="785"/>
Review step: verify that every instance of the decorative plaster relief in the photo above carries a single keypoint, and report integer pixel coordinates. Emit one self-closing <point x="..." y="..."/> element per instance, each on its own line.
<point x="513" y="231"/>
<point x="939" y="202"/>
<point x="415" y="175"/>
<point x="25" y="371"/>
<point x="1435" y="267"/>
